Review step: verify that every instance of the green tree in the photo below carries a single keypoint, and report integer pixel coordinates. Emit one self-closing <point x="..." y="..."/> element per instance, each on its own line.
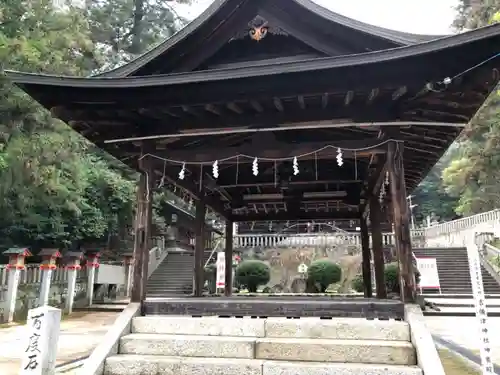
<point x="473" y="174"/>
<point x="124" y="29"/>
<point x="431" y="196"/>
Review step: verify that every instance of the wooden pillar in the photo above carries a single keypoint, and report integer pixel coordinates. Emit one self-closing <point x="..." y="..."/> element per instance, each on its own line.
<point x="142" y="230"/>
<point x="228" y="253"/>
<point x="378" y="252"/>
<point x="199" y="248"/>
<point x="401" y="221"/>
<point x="365" y="246"/>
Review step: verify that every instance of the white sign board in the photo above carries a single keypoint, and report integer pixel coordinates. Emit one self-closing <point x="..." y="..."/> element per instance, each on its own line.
<point x="302" y="268"/>
<point x="480" y="305"/>
<point x="40" y="348"/>
<point x="110" y="274"/>
<point x="429" y="277"/>
<point x="221" y="270"/>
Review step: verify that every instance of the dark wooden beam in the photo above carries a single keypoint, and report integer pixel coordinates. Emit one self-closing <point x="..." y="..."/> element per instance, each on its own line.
<point x="275" y="150"/>
<point x="366" y="254"/>
<point x="375" y="180"/>
<point x="142" y="231"/>
<point x="297" y="199"/>
<point x="199" y="273"/>
<point x="228" y="250"/>
<point x="377" y="245"/>
<point x="401" y="222"/>
<point x="290" y="215"/>
<point x="194" y="190"/>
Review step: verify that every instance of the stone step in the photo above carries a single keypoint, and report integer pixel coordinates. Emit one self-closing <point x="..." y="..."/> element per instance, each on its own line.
<point x="340" y="351"/>
<point x="161" y="365"/>
<point x="187" y="346"/>
<point x="287" y="349"/>
<point x="340" y="328"/>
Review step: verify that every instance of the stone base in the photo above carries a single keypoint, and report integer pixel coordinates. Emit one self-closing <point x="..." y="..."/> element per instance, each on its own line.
<point x="286" y="349"/>
<point x="277" y="306"/>
<point x="158" y="365"/>
<point x="336" y="328"/>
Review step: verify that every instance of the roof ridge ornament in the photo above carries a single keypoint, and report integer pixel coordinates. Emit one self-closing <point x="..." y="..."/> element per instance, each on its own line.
<point x="258" y="28"/>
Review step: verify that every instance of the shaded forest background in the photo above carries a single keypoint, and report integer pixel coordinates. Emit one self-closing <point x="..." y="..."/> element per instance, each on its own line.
<point x="56" y="189"/>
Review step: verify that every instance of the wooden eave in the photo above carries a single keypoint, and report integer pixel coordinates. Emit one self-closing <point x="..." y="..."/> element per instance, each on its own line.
<point x="389" y="88"/>
<point x="210" y="28"/>
<point x="481" y="41"/>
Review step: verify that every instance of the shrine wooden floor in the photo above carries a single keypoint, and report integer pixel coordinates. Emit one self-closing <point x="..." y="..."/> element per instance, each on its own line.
<point x="276" y="306"/>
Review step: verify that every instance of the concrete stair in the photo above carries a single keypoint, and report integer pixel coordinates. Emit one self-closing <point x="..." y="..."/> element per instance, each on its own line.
<point x="454" y="273"/>
<point x="174" y="276"/>
<point x="272" y="346"/>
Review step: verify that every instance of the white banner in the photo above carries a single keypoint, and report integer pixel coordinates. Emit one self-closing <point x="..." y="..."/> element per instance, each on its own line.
<point x="429" y="276"/>
<point x="480" y="305"/>
<point x="221" y="270"/>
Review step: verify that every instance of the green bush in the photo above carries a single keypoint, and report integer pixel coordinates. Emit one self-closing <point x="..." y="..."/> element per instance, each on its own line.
<point x="252" y="273"/>
<point x="391" y="273"/>
<point x="267" y="290"/>
<point x="357" y="284"/>
<point x="322" y="273"/>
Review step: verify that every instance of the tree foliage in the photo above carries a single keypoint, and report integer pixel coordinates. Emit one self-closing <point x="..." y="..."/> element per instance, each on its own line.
<point x="467" y="179"/>
<point x="56" y="188"/>
<point x="473" y="174"/>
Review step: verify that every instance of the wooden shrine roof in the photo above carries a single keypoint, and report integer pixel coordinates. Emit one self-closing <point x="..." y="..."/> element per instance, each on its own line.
<point x="227" y="22"/>
<point x="420" y="94"/>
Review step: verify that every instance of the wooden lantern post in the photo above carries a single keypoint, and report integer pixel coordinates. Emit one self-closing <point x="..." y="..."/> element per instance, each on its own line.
<point x="92" y="264"/>
<point x="72" y="260"/>
<point x="17" y="260"/>
<point x="49" y="264"/>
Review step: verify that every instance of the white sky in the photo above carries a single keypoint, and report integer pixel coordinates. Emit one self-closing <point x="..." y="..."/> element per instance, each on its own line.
<point x="413" y="16"/>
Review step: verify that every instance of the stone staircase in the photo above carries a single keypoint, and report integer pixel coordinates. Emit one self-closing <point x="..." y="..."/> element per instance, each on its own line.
<point x="454" y="273"/>
<point x="273" y="346"/>
<point x="174" y="276"/>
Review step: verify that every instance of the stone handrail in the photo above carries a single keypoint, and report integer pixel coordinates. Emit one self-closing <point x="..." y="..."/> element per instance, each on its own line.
<point x="217" y="244"/>
<point x="464" y="223"/>
<point x="491" y="250"/>
<point x="270" y="240"/>
<point x="156" y="256"/>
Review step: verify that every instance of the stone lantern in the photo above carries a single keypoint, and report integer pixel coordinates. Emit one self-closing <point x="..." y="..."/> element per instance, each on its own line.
<point x="17" y="260"/>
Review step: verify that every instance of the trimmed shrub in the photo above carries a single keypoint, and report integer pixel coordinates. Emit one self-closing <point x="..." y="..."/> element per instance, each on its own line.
<point x="321" y="273"/>
<point x="391" y="274"/>
<point x="252" y="273"/>
<point x="267" y="290"/>
<point x="357" y="284"/>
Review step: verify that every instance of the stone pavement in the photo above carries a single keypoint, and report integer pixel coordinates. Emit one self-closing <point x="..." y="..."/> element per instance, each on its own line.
<point x="80" y="334"/>
<point x="464" y="331"/>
